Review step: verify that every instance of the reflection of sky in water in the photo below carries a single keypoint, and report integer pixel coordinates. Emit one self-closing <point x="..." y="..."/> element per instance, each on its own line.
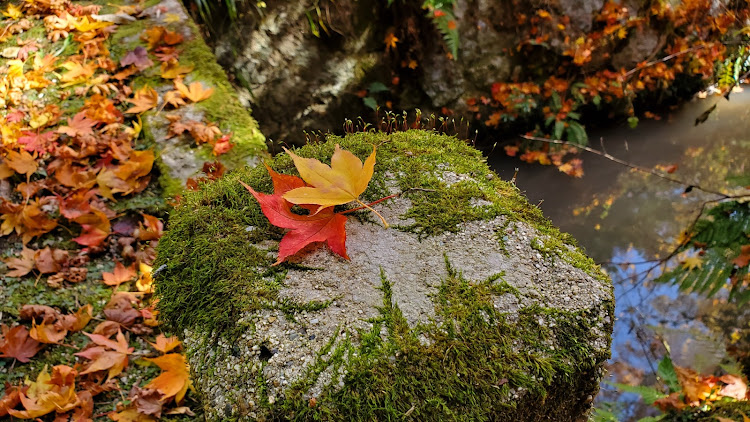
<point x="648" y="213"/>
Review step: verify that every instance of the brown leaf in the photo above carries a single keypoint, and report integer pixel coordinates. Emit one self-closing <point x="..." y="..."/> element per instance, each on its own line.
<point x="20" y="266"/>
<point x="48" y="333"/>
<point x="38" y="312"/>
<point x="147" y="401"/>
<point x="51" y="260"/>
<point x="15" y="343"/>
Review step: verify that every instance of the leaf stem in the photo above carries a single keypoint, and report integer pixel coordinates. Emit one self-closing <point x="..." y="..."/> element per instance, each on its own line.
<point x="371" y="203"/>
<point x="363" y="205"/>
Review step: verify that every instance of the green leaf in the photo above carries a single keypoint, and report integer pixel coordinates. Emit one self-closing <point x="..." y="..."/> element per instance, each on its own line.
<point x="559" y="128"/>
<point x="376" y="87"/>
<point x="649" y="394"/>
<point x="576" y="133"/>
<point x="668" y="375"/>
<point x="632" y="122"/>
<point x="596" y="100"/>
<point x="370" y="102"/>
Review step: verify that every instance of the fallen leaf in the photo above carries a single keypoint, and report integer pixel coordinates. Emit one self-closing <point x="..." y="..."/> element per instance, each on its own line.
<point x="16" y="343"/>
<point x="49" y="333"/>
<point x="195" y="92"/>
<point x="130" y="414"/>
<point x="121" y="274"/>
<point x="338" y="184"/>
<point x="79" y="320"/>
<point x="325" y="226"/>
<point x="138" y="57"/>
<point x="165" y="344"/>
<point x="21" y="162"/>
<point x="50" y="260"/>
<point x="20" y="266"/>
<point x="11" y="399"/>
<point x="735" y="387"/>
<point x="79" y="125"/>
<point x="145" y="283"/>
<point x="175" y="378"/>
<point x="144" y="99"/>
<point x="172" y="69"/>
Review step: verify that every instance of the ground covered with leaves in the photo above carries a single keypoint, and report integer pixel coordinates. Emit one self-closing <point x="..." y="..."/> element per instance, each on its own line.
<point x="82" y="207"/>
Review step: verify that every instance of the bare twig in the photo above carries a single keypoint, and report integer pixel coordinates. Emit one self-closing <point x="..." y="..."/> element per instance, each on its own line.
<point x="662" y="60"/>
<point x="632" y="166"/>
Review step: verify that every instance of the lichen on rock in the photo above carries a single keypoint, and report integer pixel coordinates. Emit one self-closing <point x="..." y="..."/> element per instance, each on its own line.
<point x="471" y="307"/>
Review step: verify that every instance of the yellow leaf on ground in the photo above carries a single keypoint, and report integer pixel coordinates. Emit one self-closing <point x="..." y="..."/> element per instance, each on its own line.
<point x="338" y="184"/>
<point x="77" y="72"/>
<point x="194" y="92"/>
<point x="173" y="69"/>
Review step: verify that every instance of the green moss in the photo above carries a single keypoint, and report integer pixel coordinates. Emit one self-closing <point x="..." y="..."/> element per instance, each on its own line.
<point x="732" y="410"/>
<point x="431" y="373"/>
<point x="223" y="107"/>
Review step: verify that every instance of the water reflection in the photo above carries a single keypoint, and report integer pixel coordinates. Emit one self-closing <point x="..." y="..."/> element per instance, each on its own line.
<point x="625" y="220"/>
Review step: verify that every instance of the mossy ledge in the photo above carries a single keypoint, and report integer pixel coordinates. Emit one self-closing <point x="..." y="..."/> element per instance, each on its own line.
<point x="476" y="345"/>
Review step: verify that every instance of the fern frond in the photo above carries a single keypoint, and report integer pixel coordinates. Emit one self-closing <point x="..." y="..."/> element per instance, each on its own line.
<point x="718" y="239"/>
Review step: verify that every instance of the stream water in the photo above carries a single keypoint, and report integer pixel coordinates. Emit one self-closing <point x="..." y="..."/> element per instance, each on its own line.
<point x="625" y="219"/>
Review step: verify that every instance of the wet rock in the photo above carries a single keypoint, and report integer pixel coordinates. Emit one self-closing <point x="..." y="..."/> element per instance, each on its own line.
<point x="444" y="305"/>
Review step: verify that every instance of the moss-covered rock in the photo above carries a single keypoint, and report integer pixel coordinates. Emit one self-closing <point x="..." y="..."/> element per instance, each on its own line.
<point x="179" y="156"/>
<point x="471" y="307"/>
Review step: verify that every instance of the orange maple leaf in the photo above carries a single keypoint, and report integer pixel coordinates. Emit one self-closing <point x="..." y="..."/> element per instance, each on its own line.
<point x="144" y="99"/>
<point x="195" y="92"/>
<point x="120" y="275"/>
<point x="175" y="380"/>
<point x="165" y="344"/>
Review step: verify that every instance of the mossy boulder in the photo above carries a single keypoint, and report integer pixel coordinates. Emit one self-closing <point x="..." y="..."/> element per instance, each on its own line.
<point x="471" y="307"/>
<point x="180" y="157"/>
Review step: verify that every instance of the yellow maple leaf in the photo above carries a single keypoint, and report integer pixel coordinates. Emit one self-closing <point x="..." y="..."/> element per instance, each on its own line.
<point x="692" y="263"/>
<point x="390" y="41"/>
<point x="195" y="92"/>
<point x="342" y="182"/>
<point x="77" y="72"/>
<point x="173" y="69"/>
<point x="13" y="12"/>
<point x="144" y="99"/>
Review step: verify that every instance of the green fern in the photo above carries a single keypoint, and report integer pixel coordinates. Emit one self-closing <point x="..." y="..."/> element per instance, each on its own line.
<point x="718" y="238"/>
<point x="441" y="13"/>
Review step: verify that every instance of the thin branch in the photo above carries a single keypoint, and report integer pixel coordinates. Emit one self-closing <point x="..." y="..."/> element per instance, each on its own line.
<point x="631" y="165"/>
<point x="662" y="60"/>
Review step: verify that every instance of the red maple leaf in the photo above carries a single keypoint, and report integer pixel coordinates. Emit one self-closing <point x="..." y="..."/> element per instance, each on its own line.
<point x="324" y="226"/>
<point x="38" y="142"/>
<point x="16" y="343"/>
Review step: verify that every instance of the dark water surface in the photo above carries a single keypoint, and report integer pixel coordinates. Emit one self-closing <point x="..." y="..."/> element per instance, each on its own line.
<point x="621" y="216"/>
